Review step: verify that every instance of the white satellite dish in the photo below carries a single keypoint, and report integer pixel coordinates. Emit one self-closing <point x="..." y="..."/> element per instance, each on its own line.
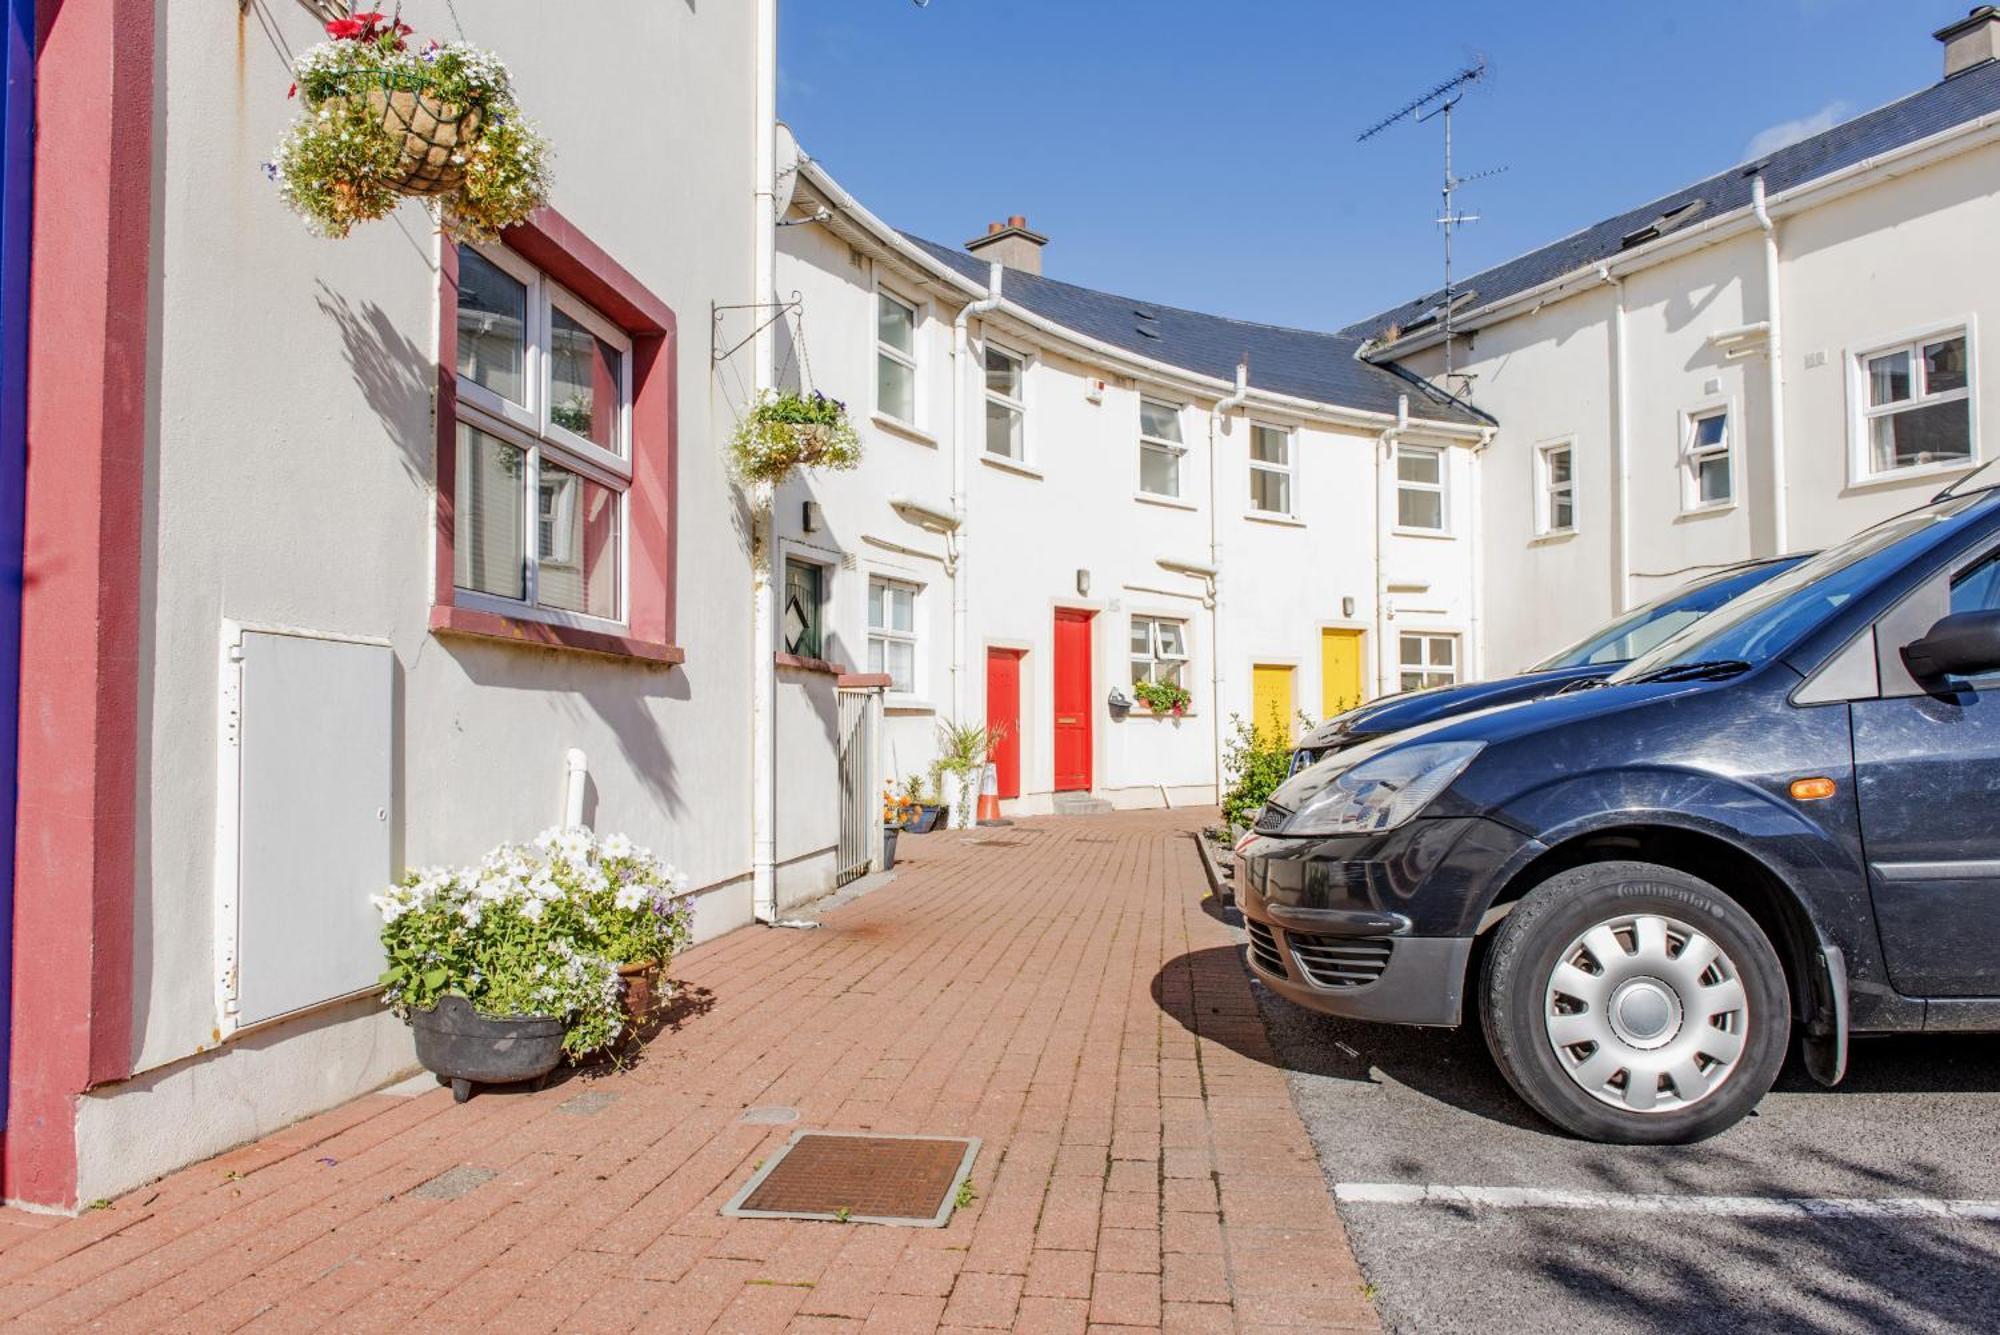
<point x="788" y="159"/>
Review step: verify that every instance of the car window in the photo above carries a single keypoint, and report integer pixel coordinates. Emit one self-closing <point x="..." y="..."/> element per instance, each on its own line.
<point x="1770" y="619"/>
<point x="1977" y="589"/>
<point x="1639" y="631"/>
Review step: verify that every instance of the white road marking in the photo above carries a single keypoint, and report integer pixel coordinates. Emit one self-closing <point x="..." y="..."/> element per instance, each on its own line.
<point x="1779" y="1207"/>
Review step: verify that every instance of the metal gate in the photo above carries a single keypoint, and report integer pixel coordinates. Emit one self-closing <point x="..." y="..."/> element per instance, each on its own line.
<point x="859" y="808"/>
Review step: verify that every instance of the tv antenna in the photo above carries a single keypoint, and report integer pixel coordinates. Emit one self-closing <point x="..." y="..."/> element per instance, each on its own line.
<point x="1439" y="101"/>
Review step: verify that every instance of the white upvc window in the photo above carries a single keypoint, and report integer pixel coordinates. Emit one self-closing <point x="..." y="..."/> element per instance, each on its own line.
<point x="1159" y="650"/>
<point x="896" y="322"/>
<point x="544" y="450"/>
<point x="1427" y="659"/>
<point x="1916" y="404"/>
<point x="1420" y="488"/>
<point x="1006" y="403"/>
<point x="892" y="631"/>
<point x="1270" y="469"/>
<point x="1160" y="448"/>
<point x="1555" y="488"/>
<point x="1708" y="473"/>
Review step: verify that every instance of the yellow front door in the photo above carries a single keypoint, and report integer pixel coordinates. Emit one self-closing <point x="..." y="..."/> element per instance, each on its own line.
<point x="1271" y="701"/>
<point x="1339" y="671"/>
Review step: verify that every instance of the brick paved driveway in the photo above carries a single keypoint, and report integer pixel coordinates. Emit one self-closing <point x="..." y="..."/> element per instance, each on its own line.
<point x="1056" y="988"/>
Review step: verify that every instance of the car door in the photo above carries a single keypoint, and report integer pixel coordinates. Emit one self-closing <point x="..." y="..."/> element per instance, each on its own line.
<point x="1927" y="771"/>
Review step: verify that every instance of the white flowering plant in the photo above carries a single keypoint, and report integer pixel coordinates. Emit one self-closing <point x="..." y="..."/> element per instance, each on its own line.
<point x="535" y="930"/>
<point x="353" y="153"/>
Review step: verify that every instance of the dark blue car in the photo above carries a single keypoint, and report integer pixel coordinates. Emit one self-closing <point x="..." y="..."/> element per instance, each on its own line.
<point x="1785" y="818"/>
<point x="1592" y="658"/>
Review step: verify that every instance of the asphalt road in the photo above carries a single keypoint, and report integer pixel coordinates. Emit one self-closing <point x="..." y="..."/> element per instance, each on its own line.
<point x="1917" y="1121"/>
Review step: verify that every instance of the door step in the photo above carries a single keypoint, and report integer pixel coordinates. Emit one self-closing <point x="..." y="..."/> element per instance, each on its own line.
<point x="1081" y="804"/>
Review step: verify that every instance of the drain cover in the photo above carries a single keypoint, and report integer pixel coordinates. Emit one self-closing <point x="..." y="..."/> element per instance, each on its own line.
<point x="910" y="1180"/>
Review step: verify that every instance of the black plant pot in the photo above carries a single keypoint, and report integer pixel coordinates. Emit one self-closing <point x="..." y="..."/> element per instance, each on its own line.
<point x="455" y="1041"/>
<point x="926" y="818"/>
<point x="889" y="847"/>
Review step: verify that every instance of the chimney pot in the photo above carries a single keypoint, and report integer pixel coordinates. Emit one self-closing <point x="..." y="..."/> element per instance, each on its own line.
<point x="1018" y="220"/>
<point x="1972" y="41"/>
<point x="994" y="229"/>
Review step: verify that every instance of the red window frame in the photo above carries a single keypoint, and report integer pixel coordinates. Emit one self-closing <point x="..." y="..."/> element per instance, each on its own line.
<point x="553" y="244"/>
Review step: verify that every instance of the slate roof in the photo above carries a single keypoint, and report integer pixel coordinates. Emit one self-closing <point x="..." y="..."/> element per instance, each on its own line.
<point x="1954" y="101"/>
<point x="1301" y="363"/>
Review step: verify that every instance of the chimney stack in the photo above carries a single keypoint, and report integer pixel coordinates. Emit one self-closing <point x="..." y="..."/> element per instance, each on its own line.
<point x="1012" y="244"/>
<point x="1972" y="41"/>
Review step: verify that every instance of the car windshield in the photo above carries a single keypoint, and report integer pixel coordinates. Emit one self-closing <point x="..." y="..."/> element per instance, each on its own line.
<point x="1636" y="632"/>
<point x="1770" y="619"/>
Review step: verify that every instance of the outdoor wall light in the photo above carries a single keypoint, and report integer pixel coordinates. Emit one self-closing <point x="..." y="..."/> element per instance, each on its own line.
<point x="1083" y="583"/>
<point x="1347" y="606"/>
<point x="813" y="517"/>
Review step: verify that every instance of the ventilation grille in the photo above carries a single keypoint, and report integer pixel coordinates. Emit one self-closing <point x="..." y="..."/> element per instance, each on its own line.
<point x="1264" y="949"/>
<point x="1340" y="961"/>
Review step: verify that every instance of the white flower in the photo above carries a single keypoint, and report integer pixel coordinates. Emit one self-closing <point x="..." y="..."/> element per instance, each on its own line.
<point x="593" y="879"/>
<point x="391" y="907"/>
<point x="616" y="846"/>
<point x="632" y="895"/>
<point x="532" y="910"/>
<point x="576" y="845"/>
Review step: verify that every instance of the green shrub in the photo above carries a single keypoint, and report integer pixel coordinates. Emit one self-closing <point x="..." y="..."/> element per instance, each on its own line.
<point x="1254" y="763"/>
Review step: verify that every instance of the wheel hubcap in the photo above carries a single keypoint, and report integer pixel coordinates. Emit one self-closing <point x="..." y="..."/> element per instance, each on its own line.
<point x="1646" y="1014"/>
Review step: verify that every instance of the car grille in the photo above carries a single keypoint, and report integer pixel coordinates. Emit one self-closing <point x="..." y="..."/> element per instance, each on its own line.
<point x="1272" y="818"/>
<point x="1264" y="948"/>
<point x="1340" y="961"/>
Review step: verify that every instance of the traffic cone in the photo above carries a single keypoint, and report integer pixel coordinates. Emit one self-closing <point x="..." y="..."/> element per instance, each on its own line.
<point x="989" y="797"/>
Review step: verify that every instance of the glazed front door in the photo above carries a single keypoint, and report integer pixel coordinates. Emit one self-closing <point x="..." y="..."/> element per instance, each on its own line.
<point x="1072" y="701"/>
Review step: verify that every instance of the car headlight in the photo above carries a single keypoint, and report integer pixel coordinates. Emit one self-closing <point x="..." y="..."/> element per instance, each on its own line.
<point x="1384" y="791"/>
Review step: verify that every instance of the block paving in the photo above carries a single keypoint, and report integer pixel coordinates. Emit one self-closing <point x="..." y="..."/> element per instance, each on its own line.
<point x="1059" y="988"/>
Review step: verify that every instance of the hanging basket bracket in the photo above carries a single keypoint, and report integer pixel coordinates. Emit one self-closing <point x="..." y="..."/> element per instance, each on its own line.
<point x="777" y="310"/>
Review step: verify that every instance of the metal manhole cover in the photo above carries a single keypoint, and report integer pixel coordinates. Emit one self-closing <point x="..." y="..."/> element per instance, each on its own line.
<point x="864" y="1179"/>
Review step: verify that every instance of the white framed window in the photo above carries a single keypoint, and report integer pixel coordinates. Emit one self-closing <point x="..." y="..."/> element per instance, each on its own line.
<point x="1006" y="403"/>
<point x="1555" y="488"/>
<point x="544" y="412"/>
<point x="1420" y="493"/>
<point x="1427" y="659"/>
<point x="1916" y="404"/>
<point x="1160" y="448"/>
<point x="895" y="357"/>
<point x="1159" y="650"/>
<point x="892" y="631"/>
<point x="1270" y="469"/>
<point x="1707" y="465"/>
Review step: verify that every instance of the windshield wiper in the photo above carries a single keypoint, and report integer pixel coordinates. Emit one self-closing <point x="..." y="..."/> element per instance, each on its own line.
<point x="1707" y="668"/>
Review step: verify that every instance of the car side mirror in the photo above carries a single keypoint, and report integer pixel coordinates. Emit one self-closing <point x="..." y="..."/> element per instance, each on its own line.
<point x="1965" y="644"/>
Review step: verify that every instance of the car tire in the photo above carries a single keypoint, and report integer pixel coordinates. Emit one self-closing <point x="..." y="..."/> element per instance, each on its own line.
<point x="1633" y="1003"/>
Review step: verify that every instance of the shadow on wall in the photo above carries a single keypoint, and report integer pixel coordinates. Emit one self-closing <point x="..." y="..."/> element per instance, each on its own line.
<point x="397" y="377"/>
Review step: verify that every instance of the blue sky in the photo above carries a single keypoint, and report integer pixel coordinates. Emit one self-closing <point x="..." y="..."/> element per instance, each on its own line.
<point x="1203" y="154"/>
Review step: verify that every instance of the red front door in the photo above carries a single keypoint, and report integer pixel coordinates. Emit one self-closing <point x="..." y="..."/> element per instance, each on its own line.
<point x="1003" y="717"/>
<point x="1072" y="717"/>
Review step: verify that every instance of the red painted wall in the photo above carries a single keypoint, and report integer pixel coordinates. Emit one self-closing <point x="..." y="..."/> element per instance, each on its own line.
<point x="87" y="382"/>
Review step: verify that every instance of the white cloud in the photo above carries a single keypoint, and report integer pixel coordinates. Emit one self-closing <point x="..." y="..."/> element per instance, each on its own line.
<point x="1786" y="133"/>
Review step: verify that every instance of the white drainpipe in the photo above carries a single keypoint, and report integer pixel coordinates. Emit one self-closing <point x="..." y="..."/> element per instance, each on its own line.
<point x="763" y="544"/>
<point x="1477" y="619"/>
<point x="959" y="441"/>
<point x="1217" y="677"/>
<point x="1621" y="482"/>
<point x="1385" y="448"/>
<point x="1774" y="362"/>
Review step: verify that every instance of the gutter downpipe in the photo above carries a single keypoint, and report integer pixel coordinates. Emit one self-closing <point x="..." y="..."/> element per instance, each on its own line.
<point x="960" y="440"/>
<point x="764" y="628"/>
<point x="1478" y="616"/>
<point x="1216" y="676"/>
<point x="1621" y="552"/>
<point x="1385" y="448"/>
<point x="1774" y="362"/>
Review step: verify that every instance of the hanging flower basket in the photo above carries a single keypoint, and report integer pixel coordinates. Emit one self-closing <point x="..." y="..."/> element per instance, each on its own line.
<point x="382" y="123"/>
<point x="784" y="432"/>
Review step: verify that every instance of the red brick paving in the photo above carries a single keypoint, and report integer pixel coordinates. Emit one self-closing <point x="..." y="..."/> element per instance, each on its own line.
<point x="1057" y="989"/>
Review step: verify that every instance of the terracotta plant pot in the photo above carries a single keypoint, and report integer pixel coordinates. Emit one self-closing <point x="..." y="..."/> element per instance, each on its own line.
<point x="455" y="1041"/>
<point x="638" y="987"/>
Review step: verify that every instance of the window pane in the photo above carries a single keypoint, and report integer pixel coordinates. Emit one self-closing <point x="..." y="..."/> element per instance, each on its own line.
<point x="1168" y="671"/>
<point x="1410" y="651"/>
<point x="1977" y="589"/>
<point x="800" y="620"/>
<point x="895" y="325"/>
<point x="1142" y="635"/>
<point x="1562" y="511"/>
<point x="901" y="665"/>
<point x="1419" y="509"/>
<point x="1270" y="445"/>
<point x="492" y="326"/>
<point x="1419" y="466"/>
<point x="1171" y="644"/>
<point x="1142" y="670"/>
<point x="584" y="381"/>
<point x="1944" y="365"/>
<point x="895" y="388"/>
<point x="488" y="546"/>
<point x="1003" y="373"/>
<point x="1270" y="492"/>
<point x="1712" y="478"/>
<point x="876" y="594"/>
<point x="1413" y="681"/>
<point x="1889" y="378"/>
<point x="902" y="607"/>
<point x="1159" y="470"/>
<point x="1558" y="467"/>
<point x="578" y="527"/>
<point x="1444" y="650"/>
<point x="1162" y="421"/>
<point x="1936" y="433"/>
<point x="1003" y="430"/>
<point x="1711" y="431"/>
